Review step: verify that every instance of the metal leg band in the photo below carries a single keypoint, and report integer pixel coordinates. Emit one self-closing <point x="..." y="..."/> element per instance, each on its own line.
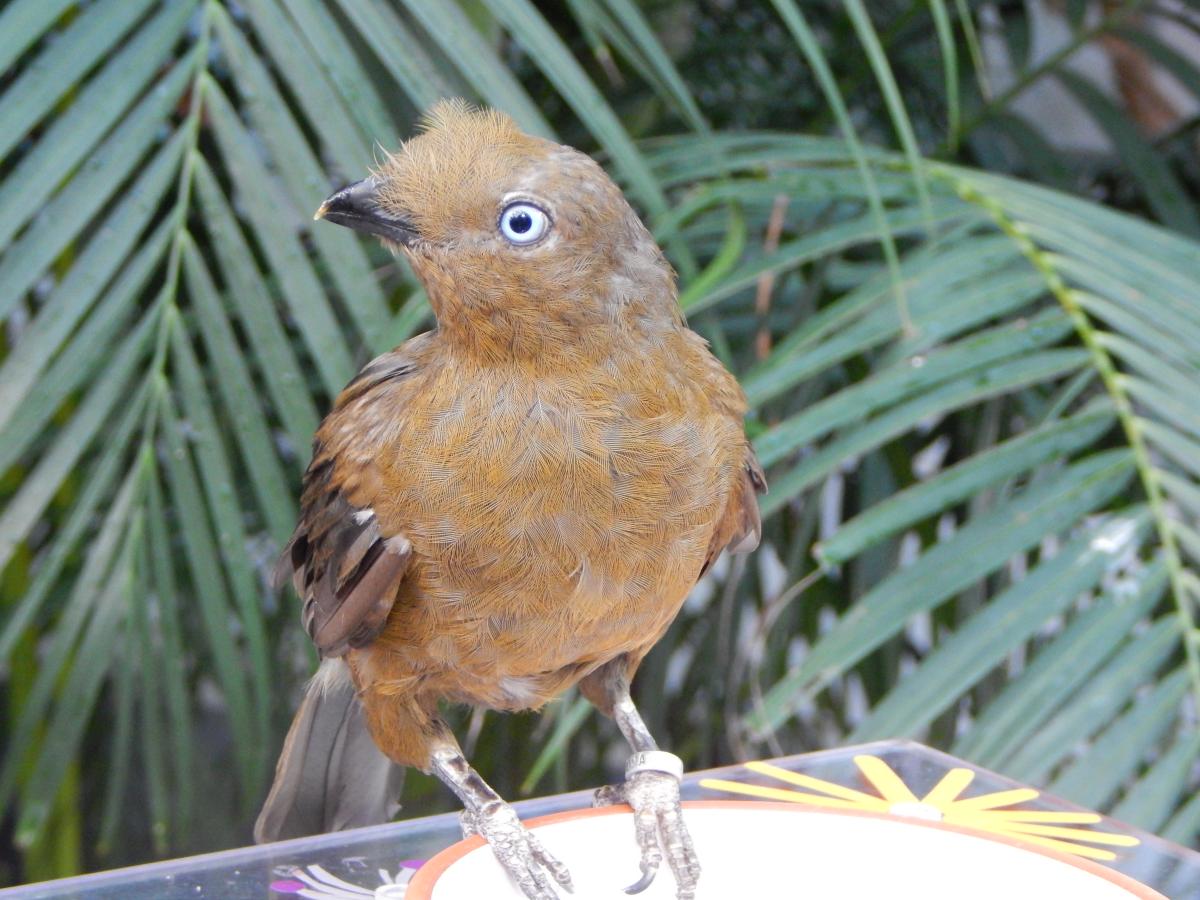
<point x="655" y="761"/>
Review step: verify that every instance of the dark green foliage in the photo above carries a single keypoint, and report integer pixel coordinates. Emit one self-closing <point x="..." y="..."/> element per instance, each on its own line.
<point x="976" y="395"/>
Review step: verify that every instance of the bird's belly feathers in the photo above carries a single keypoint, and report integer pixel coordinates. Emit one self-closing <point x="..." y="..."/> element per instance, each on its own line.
<point x="578" y="529"/>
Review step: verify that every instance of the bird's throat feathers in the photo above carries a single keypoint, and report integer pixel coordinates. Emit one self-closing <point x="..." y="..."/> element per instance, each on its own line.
<point x="574" y="304"/>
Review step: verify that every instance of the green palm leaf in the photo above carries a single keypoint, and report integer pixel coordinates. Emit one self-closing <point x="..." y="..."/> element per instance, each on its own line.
<point x="975" y="395"/>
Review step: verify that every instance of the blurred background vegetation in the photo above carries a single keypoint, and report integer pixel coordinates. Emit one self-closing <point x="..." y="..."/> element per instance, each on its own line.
<point x="949" y="247"/>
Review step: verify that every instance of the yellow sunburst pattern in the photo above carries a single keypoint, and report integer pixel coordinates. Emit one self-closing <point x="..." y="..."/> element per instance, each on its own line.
<point x="995" y="812"/>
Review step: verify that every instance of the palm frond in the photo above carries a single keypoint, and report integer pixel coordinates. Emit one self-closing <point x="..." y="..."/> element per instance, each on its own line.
<point x="975" y="394"/>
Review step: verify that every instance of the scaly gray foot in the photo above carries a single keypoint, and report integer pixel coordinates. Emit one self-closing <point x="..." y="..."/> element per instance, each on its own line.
<point x="518" y="850"/>
<point x="658" y="823"/>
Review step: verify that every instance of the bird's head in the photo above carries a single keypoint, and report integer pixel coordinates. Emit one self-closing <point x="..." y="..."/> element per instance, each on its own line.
<point x="522" y="244"/>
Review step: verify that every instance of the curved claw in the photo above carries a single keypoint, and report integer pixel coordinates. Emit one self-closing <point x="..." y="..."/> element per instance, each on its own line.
<point x="642" y="883"/>
<point x="659" y="826"/>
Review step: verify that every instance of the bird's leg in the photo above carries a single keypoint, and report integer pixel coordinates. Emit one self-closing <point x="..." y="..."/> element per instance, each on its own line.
<point x="485" y="813"/>
<point x="651" y="787"/>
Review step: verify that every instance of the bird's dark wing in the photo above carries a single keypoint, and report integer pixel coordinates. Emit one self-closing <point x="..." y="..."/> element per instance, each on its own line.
<point x="345" y="568"/>
<point x="740" y="528"/>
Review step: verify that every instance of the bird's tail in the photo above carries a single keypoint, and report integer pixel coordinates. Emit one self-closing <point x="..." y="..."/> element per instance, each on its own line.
<point x="330" y="774"/>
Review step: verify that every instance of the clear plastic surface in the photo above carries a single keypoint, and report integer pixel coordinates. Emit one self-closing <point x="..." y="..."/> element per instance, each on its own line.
<point x="376" y="862"/>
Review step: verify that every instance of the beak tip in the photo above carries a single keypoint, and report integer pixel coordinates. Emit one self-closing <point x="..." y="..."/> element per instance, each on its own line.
<point x="357" y="206"/>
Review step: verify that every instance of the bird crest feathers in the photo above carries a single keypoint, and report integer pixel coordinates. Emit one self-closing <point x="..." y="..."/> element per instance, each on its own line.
<point x="454" y="114"/>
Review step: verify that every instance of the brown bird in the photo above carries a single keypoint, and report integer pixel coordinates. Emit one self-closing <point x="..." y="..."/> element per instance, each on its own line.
<point x="513" y="503"/>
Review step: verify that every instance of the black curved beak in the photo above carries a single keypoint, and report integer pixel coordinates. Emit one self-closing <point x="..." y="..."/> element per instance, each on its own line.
<point x="357" y="206"/>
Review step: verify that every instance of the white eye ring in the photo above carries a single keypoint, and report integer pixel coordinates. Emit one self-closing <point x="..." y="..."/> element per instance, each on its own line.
<point x="523" y="223"/>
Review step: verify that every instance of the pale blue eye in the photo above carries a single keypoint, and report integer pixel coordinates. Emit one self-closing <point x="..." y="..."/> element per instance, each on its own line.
<point x="523" y="223"/>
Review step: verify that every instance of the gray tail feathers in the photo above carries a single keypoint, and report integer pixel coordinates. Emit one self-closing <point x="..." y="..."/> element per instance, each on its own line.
<point x="330" y="774"/>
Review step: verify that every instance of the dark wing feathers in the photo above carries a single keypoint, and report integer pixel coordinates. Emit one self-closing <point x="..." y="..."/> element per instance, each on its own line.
<point x="740" y="528"/>
<point x="749" y="531"/>
<point x="345" y="569"/>
<point x="382" y="369"/>
<point x="754" y="471"/>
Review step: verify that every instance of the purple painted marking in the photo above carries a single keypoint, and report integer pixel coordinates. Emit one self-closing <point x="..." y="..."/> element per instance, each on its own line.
<point x="288" y="886"/>
<point x="411" y="863"/>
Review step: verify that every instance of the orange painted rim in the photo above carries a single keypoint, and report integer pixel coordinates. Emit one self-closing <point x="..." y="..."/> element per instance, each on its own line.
<point x="422" y="884"/>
